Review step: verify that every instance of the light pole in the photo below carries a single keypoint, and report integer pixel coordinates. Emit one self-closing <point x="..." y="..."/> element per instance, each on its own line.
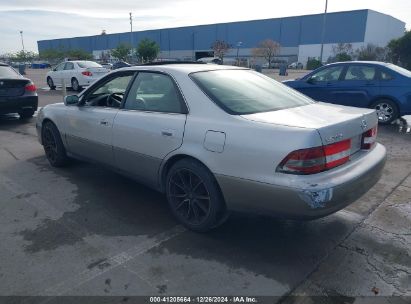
<point x="131" y="35"/>
<point x="239" y="43"/>
<point x="22" y="41"/>
<point x="323" y="31"/>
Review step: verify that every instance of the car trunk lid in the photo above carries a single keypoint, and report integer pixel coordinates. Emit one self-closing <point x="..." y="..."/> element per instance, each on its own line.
<point x="13" y="87"/>
<point x="334" y="123"/>
<point x="97" y="71"/>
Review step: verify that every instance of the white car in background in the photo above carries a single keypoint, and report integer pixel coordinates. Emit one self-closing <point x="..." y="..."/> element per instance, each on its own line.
<point x="75" y="74"/>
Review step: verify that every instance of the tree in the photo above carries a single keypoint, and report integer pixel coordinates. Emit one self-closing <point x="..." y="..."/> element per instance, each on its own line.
<point x="23" y="56"/>
<point x="78" y="54"/>
<point x="371" y="52"/>
<point x="121" y="52"/>
<point x="148" y="50"/>
<point x="220" y="48"/>
<point x="399" y="50"/>
<point x="341" y="52"/>
<point x="267" y="49"/>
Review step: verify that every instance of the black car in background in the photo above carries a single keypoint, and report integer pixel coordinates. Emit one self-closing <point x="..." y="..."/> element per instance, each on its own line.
<point x="120" y="64"/>
<point x="17" y="93"/>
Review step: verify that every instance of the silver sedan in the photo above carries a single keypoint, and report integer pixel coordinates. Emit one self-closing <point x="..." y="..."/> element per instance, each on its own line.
<point x="216" y="139"/>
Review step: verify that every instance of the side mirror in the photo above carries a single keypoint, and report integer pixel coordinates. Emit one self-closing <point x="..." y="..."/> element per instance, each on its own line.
<point x="71" y="100"/>
<point x="311" y="80"/>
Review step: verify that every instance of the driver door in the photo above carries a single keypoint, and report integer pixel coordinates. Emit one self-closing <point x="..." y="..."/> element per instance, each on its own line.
<point x="89" y="126"/>
<point x="321" y="85"/>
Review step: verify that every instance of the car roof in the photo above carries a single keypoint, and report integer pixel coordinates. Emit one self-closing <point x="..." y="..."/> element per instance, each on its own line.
<point x="183" y="68"/>
<point x="360" y="62"/>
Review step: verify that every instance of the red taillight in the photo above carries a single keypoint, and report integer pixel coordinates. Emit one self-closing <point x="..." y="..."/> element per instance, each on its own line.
<point x="30" y="87"/>
<point x="317" y="159"/>
<point x="87" y="73"/>
<point x="369" y="138"/>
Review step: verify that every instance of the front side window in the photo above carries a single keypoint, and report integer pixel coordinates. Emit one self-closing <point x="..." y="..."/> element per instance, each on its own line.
<point x="110" y="93"/>
<point x="60" y="67"/>
<point x="154" y="92"/>
<point x="328" y="74"/>
<point x="241" y="92"/>
<point x="360" y="72"/>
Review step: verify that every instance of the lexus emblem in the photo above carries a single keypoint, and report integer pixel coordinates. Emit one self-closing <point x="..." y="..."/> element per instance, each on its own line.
<point x="363" y="124"/>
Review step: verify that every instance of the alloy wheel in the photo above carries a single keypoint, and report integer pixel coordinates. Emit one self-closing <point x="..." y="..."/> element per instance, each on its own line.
<point x="384" y="111"/>
<point x="189" y="196"/>
<point x="50" y="144"/>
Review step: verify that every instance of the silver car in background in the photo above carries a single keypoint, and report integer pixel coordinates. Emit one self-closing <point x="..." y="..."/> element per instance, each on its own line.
<point x="217" y="138"/>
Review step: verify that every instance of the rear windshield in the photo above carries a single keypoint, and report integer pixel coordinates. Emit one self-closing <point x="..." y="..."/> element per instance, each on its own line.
<point x="400" y="70"/>
<point x="88" y="64"/>
<point x="241" y="92"/>
<point x="8" y="72"/>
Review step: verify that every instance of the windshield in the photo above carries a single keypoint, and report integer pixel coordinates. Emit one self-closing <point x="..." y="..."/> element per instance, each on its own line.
<point x="400" y="70"/>
<point x="88" y="64"/>
<point x="241" y="92"/>
<point x="8" y="72"/>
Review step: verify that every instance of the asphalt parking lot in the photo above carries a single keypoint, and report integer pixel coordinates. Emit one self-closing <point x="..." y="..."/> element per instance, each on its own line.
<point x="84" y="230"/>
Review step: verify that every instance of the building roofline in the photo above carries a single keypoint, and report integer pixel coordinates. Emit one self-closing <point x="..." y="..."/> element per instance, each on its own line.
<point x="221" y="23"/>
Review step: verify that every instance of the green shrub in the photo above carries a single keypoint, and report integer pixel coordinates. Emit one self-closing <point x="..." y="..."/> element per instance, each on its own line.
<point x="313" y="63"/>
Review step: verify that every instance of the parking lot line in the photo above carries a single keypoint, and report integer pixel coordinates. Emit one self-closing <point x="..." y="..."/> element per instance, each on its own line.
<point x="113" y="262"/>
<point x="100" y="268"/>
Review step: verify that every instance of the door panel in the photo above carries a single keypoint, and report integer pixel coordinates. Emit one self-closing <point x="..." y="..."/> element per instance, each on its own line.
<point x="89" y="132"/>
<point x="321" y="85"/>
<point x="149" y="127"/>
<point x="141" y="140"/>
<point x="359" y="86"/>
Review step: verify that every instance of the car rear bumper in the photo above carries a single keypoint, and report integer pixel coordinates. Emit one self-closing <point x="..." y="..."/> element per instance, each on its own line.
<point x="306" y="200"/>
<point x="18" y="104"/>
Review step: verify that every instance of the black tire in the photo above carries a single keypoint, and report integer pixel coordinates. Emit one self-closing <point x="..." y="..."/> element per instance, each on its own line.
<point x="26" y="114"/>
<point x="194" y="196"/>
<point x="75" y="85"/>
<point x="53" y="145"/>
<point x="50" y="83"/>
<point x="387" y="111"/>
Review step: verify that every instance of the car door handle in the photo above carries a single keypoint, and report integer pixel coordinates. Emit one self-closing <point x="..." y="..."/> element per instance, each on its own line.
<point x="104" y="123"/>
<point x="167" y="133"/>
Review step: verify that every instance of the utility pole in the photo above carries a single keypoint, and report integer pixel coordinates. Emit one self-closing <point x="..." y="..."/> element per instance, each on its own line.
<point x="22" y="41"/>
<point x="131" y="35"/>
<point x="323" y="31"/>
<point x="239" y="43"/>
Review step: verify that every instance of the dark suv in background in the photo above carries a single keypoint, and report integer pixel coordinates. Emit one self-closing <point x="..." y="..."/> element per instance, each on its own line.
<point x="17" y="93"/>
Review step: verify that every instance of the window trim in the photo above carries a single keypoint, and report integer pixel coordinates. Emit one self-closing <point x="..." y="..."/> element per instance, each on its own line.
<point x="183" y="101"/>
<point x="102" y="81"/>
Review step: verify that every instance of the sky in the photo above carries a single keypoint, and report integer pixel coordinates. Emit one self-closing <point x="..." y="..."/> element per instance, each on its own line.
<point x="51" y="19"/>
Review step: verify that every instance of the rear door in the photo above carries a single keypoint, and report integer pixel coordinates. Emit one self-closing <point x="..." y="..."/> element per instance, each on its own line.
<point x="68" y="73"/>
<point x="149" y="126"/>
<point x="359" y="85"/>
<point x="320" y="86"/>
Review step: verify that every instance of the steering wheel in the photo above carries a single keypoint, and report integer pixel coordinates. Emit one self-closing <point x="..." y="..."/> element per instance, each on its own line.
<point x="114" y="100"/>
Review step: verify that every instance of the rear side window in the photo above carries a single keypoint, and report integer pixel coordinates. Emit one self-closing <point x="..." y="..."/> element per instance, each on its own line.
<point x="386" y="76"/>
<point x="8" y="72"/>
<point x="360" y="72"/>
<point x="241" y="92"/>
<point x="154" y="92"/>
<point x="88" y="64"/>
